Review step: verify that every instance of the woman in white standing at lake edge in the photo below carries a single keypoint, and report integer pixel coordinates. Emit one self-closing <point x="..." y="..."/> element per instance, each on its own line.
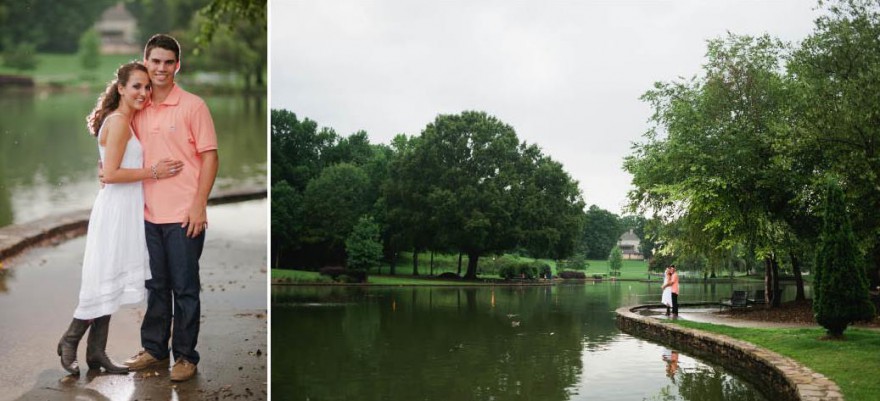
<point x="115" y="262"/>
<point x="666" y="298"/>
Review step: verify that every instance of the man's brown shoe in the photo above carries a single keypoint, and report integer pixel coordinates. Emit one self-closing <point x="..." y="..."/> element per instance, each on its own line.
<point x="144" y="360"/>
<point x="183" y="370"/>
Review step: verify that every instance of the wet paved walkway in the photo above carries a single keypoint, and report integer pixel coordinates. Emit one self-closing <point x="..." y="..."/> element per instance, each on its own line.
<point x="39" y="289"/>
<point x="709" y="314"/>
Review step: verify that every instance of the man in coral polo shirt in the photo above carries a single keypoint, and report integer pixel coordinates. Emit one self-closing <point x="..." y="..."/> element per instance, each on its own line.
<point x="673" y="282"/>
<point x="175" y="124"/>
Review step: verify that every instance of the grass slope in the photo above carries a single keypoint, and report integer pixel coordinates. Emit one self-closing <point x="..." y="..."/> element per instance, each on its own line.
<point x="852" y="363"/>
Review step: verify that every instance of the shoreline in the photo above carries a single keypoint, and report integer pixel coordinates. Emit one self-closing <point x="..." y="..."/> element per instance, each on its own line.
<point x="16" y="238"/>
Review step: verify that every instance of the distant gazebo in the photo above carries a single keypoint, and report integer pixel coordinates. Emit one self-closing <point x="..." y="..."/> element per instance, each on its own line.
<point x="118" y="31"/>
<point x="629" y="246"/>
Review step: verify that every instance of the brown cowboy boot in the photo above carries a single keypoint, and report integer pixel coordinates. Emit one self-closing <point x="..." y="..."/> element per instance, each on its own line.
<point x="96" y="355"/>
<point x="69" y="343"/>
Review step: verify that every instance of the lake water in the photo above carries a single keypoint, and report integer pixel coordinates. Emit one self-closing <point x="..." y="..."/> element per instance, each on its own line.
<point x="483" y="343"/>
<point x="48" y="160"/>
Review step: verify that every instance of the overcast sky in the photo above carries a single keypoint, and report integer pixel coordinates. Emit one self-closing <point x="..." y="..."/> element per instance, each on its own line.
<point x="566" y="75"/>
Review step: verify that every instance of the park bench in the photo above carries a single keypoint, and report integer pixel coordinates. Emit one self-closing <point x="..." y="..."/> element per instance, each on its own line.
<point x="758" y="298"/>
<point x="739" y="299"/>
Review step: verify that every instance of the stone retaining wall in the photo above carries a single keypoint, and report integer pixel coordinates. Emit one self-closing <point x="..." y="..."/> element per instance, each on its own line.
<point x="780" y="377"/>
<point x="16" y="238"/>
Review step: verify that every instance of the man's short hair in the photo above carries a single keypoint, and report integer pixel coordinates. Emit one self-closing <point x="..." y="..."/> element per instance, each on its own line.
<point x="162" y="41"/>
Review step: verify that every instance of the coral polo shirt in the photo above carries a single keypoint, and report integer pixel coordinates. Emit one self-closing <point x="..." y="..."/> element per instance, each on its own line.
<point x="180" y="128"/>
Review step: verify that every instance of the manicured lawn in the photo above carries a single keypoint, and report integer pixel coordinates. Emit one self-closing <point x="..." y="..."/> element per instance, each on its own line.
<point x="298" y="276"/>
<point x="65" y="69"/>
<point x="301" y="276"/>
<point x="852" y="364"/>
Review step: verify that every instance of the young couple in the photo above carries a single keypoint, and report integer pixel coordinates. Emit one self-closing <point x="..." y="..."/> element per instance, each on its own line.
<point x="670" y="290"/>
<point x="146" y="231"/>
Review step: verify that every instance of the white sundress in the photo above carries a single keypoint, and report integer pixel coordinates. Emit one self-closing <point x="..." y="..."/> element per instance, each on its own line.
<point x="116" y="262"/>
<point x="666" y="297"/>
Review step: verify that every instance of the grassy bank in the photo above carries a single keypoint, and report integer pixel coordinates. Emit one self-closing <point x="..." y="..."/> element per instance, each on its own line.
<point x="65" y="70"/>
<point x="488" y="267"/>
<point x="300" y="276"/>
<point x="850" y="363"/>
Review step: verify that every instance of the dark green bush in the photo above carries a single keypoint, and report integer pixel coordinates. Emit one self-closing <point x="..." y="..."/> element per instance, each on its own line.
<point x="570" y="274"/>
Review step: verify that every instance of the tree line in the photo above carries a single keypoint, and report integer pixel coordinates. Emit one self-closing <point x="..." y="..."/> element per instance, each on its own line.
<point x="738" y="158"/>
<point x="215" y="35"/>
<point x="465" y="185"/>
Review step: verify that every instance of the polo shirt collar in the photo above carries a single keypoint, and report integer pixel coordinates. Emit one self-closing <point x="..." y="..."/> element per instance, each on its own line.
<point x="173" y="97"/>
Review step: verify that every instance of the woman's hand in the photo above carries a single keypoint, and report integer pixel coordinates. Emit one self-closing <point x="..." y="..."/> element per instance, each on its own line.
<point x="167" y="167"/>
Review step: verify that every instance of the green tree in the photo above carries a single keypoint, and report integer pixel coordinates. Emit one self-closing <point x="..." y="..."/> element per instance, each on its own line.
<point x="837" y="71"/>
<point x="363" y="246"/>
<point x="239" y="48"/>
<point x="468" y="184"/>
<point x="550" y="211"/>
<point x="297" y="147"/>
<point x="48" y="25"/>
<point x="286" y="220"/>
<point x="22" y="56"/>
<point x="332" y="204"/>
<point x="89" y="52"/>
<point x="841" y="286"/>
<point x="615" y="260"/>
<point x="602" y="230"/>
<point x="220" y="14"/>
<point x="712" y="162"/>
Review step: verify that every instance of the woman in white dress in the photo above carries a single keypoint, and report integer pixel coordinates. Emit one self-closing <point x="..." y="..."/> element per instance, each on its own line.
<point x="666" y="297"/>
<point x="116" y="263"/>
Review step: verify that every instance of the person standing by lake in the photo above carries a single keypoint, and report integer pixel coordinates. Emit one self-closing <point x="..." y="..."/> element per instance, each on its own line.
<point x="115" y="262"/>
<point x="174" y="124"/>
<point x="666" y="297"/>
<point x="672" y="283"/>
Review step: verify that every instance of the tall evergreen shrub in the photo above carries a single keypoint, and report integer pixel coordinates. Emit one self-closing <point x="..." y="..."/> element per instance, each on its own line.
<point x="841" y="295"/>
<point x="363" y="246"/>
<point x="615" y="260"/>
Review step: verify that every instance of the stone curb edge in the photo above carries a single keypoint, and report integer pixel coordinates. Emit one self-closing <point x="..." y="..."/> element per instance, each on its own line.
<point x="16" y="238"/>
<point x="785" y="378"/>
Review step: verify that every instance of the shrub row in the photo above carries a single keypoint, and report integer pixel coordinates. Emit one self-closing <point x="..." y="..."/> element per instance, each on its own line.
<point x="342" y="275"/>
<point x="526" y="270"/>
<point x="571" y="274"/>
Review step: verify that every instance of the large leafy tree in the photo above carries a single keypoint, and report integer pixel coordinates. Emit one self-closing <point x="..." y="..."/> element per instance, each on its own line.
<point x="287" y="220"/>
<point x="332" y="205"/>
<point x="837" y="129"/>
<point x="297" y="148"/>
<point x="710" y="161"/>
<point x="841" y="287"/>
<point x="468" y="184"/>
<point x="602" y="230"/>
<point x="551" y="207"/>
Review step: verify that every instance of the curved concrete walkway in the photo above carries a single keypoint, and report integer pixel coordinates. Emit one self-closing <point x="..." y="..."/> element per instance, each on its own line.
<point x="786" y="378"/>
<point x="38" y="292"/>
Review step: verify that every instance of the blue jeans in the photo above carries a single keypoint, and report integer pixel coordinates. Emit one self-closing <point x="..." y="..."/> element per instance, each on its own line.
<point x="174" y="287"/>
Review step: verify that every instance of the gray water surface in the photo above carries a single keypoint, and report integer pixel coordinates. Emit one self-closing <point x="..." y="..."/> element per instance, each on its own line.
<point x="48" y="161"/>
<point x="484" y="343"/>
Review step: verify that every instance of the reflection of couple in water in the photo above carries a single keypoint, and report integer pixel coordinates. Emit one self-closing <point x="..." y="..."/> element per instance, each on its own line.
<point x="671" y="359"/>
<point x="146" y="231"/>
